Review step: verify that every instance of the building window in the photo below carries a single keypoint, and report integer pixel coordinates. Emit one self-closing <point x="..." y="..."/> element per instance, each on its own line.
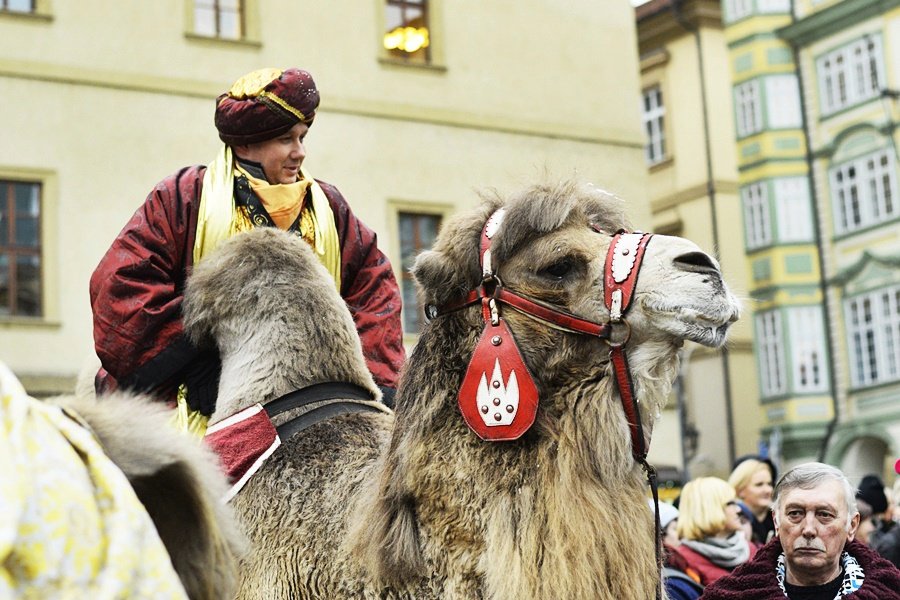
<point x="417" y="233"/>
<point x="873" y="330"/>
<point x="407" y="33"/>
<point x="771" y="353"/>
<point x="782" y="102"/>
<point x="20" y="249"/>
<point x="737" y="9"/>
<point x="18" y="6"/>
<point x="864" y="191"/>
<point x="653" y="114"/>
<point x="851" y="74"/>
<point x="219" y="19"/>
<point x="793" y="209"/>
<point x="756" y="215"/>
<point x="748" y="108"/>
<point x="808" y="363"/>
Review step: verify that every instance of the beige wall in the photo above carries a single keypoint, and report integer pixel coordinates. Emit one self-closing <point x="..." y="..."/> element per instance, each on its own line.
<point x="103" y="99"/>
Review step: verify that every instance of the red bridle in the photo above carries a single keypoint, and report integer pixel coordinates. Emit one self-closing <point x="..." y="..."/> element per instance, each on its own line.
<point x="498" y="398"/>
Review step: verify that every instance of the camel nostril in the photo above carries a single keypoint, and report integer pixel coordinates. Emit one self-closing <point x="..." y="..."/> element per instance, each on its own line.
<point x="697" y="262"/>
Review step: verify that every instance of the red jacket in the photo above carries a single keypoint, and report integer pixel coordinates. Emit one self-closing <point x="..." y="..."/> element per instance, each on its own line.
<point x="137" y="289"/>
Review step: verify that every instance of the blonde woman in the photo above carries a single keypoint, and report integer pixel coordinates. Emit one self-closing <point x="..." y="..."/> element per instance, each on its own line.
<point x="709" y="525"/>
<point x="753" y="481"/>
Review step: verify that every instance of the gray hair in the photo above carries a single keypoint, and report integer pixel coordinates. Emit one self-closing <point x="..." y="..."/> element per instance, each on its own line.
<point x="809" y="475"/>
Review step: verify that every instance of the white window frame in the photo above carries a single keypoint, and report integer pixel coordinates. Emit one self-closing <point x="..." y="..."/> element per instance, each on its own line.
<point x="809" y="365"/>
<point x="653" y="113"/>
<point x="851" y="74"/>
<point x="773" y="6"/>
<point x="770" y="343"/>
<point x="864" y="191"/>
<point x="757" y="221"/>
<point x="873" y="334"/>
<point x="738" y="9"/>
<point x="748" y="108"/>
<point x="213" y="19"/>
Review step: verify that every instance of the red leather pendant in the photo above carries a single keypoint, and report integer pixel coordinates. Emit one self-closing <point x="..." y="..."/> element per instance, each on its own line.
<point x="498" y="398"/>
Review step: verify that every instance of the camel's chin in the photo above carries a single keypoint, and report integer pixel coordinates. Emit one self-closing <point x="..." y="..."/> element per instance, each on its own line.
<point x="711" y="336"/>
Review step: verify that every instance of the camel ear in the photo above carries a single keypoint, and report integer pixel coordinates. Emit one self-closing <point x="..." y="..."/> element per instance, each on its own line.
<point x="439" y="279"/>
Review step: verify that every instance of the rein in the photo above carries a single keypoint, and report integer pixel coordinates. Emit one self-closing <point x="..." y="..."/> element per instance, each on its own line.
<point x="346" y="399"/>
<point x="623" y="263"/>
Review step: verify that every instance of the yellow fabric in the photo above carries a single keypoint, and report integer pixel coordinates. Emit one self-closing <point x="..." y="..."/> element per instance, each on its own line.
<point x="185" y="419"/>
<point x="283" y="201"/>
<point x="71" y="526"/>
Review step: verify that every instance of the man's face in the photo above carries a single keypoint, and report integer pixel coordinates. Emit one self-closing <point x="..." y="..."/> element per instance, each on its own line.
<point x="280" y="157"/>
<point x="812" y="526"/>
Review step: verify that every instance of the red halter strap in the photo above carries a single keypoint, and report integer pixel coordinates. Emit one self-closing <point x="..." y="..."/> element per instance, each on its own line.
<point x="623" y="263"/>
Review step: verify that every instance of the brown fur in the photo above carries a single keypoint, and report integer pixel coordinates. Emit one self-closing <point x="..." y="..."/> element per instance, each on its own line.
<point x="414" y="505"/>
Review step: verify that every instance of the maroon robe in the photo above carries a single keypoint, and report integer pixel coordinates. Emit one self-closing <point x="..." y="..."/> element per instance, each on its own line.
<point x="137" y="290"/>
<point x="755" y="579"/>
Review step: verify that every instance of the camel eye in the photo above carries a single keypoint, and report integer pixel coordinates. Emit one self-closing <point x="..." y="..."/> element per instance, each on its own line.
<point x="559" y="269"/>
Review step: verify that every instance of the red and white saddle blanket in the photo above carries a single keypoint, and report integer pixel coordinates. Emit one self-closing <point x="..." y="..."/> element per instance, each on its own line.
<point x="243" y="442"/>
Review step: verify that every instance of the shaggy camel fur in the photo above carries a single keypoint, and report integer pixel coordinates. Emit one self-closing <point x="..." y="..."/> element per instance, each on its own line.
<point x="415" y="505"/>
<point x="177" y="480"/>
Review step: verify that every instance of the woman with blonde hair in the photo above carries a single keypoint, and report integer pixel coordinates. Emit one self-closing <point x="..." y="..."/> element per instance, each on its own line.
<point x="753" y="481"/>
<point x="712" y="541"/>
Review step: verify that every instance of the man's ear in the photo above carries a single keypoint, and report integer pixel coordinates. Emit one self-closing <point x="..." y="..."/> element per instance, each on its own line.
<point x="854" y="525"/>
<point x="240" y="150"/>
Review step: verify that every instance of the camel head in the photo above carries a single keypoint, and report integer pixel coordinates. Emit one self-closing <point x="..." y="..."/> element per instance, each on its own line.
<point x="551" y="247"/>
<point x="272" y="310"/>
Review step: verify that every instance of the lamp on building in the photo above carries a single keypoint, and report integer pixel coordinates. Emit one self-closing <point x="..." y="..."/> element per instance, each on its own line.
<point x="406" y="39"/>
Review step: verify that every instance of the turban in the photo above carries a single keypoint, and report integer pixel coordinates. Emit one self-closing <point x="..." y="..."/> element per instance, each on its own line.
<point x="264" y="104"/>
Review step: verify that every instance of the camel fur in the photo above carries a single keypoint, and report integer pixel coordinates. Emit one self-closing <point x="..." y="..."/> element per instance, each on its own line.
<point x="413" y="504"/>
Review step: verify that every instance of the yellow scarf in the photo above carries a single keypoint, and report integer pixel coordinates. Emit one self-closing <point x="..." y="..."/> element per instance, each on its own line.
<point x="219" y="218"/>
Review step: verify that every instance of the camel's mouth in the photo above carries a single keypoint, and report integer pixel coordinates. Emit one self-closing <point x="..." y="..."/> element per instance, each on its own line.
<point x="700" y="326"/>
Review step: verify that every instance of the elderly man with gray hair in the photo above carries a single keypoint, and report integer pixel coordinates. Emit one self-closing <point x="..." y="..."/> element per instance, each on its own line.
<point x="814" y="555"/>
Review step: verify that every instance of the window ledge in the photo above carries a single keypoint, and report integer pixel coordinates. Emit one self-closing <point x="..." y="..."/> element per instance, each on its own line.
<point x="397" y="62"/>
<point x="206" y="39"/>
<point x="28" y="322"/>
<point x="660" y="165"/>
<point x="26" y="16"/>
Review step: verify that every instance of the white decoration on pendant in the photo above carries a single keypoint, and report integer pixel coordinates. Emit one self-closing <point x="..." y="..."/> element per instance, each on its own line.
<point x="624" y="255"/>
<point x="498" y="403"/>
<point x="493" y="223"/>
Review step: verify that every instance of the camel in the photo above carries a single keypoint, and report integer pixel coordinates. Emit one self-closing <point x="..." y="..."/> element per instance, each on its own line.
<point x="73" y="524"/>
<point x="414" y="503"/>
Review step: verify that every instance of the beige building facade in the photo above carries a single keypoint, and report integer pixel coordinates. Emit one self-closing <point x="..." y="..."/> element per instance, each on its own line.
<point x="715" y="415"/>
<point x="99" y="100"/>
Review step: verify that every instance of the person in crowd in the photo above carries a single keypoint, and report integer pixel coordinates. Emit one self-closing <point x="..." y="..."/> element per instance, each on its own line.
<point x="752" y="478"/>
<point x="679" y="585"/>
<point x="880" y="531"/>
<point x="814" y="555"/>
<point x="712" y="541"/>
<point x="746" y="516"/>
<point x="256" y="179"/>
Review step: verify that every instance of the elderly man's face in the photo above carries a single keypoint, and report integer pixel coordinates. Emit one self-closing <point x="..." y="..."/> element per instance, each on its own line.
<point x="812" y="526"/>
